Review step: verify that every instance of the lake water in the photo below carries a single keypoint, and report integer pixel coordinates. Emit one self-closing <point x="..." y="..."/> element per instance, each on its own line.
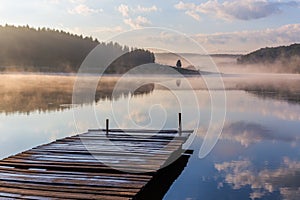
<point x="256" y="157"/>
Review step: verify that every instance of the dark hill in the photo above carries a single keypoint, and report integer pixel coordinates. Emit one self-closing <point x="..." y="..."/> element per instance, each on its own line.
<point x="285" y="58"/>
<point x="45" y="50"/>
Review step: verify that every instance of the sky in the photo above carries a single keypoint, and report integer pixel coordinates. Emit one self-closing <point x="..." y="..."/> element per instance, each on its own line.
<point x="219" y="26"/>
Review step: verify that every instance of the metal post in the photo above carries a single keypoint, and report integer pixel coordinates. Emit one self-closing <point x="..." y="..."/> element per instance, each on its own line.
<point x="179" y="124"/>
<point x="107" y="126"/>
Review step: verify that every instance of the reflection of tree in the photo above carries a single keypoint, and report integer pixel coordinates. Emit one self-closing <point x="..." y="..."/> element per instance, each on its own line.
<point x="28" y="93"/>
<point x="178" y="82"/>
<point x="284" y="180"/>
<point x="281" y="90"/>
<point x="291" y="97"/>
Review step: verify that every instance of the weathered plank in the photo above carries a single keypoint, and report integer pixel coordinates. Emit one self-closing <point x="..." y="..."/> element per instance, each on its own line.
<point x="67" y="169"/>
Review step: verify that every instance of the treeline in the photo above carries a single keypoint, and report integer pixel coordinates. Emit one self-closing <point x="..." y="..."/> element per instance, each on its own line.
<point x="284" y="58"/>
<point x="45" y="50"/>
<point x="130" y="60"/>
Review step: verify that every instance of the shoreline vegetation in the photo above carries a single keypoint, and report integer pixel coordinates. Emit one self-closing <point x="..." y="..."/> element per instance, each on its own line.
<point x="282" y="59"/>
<point x="25" y="49"/>
<point x="57" y="53"/>
<point x="43" y="50"/>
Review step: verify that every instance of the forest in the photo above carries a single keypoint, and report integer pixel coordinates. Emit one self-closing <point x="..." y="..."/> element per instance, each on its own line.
<point x="46" y="50"/>
<point x="284" y="58"/>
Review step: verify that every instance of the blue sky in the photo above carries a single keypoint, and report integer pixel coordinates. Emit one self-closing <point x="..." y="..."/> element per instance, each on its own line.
<point x="227" y="26"/>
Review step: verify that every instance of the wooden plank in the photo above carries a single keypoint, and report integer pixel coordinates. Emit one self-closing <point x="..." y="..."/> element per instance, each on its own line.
<point x="115" y="149"/>
<point x="95" y="153"/>
<point x="79" y="174"/>
<point x="66" y="169"/>
<point x="101" y="157"/>
<point x="77" y="157"/>
<point x="40" y="179"/>
<point x="174" y="131"/>
<point x="104" y="146"/>
<point x="40" y="194"/>
<point x="8" y="196"/>
<point x="74" y="165"/>
<point x="125" y="192"/>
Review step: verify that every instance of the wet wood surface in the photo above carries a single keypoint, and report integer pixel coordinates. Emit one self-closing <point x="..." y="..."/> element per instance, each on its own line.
<point x="91" y="165"/>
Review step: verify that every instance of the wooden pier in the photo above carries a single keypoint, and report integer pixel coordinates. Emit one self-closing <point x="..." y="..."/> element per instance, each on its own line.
<point x="65" y="169"/>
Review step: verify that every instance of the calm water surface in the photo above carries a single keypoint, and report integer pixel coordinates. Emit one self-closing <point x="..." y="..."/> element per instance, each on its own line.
<point x="257" y="156"/>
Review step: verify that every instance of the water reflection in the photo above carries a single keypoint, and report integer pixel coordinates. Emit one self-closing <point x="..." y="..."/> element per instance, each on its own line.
<point x="178" y="83"/>
<point x="291" y="97"/>
<point x="29" y="93"/>
<point x="257" y="155"/>
<point x="285" y="87"/>
<point x="285" y="179"/>
<point x="248" y="133"/>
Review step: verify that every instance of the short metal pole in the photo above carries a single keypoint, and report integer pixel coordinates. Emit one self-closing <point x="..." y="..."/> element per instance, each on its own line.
<point x="107" y="126"/>
<point x="179" y="124"/>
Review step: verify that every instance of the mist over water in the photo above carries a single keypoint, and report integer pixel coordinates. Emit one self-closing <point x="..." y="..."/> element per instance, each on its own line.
<point x="257" y="155"/>
<point x="260" y="79"/>
<point x="228" y="63"/>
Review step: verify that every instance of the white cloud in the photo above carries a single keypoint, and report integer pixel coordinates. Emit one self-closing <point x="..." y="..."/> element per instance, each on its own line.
<point x="84" y="10"/>
<point x="231" y="42"/>
<point x="185" y="6"/>
<point x="77" y="1"/>
<point x="124" y="10"/>
<point x="142" y="9"/>
<point x="242" y="10"/>
<point x="137" y="22"/>
<point x="193" y="14"/>
<point x="249" y="40"/>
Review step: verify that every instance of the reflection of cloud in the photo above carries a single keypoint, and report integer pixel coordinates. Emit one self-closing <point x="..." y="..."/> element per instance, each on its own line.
<point x="284" y="179"/>
<point x="242" y="10"/>
<point x="250" y="133"/>
<point x="246" y="133"/>
<point x="290" y="194"/>
<point x="240" y="101"/>
<point x="139" y="117"/>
